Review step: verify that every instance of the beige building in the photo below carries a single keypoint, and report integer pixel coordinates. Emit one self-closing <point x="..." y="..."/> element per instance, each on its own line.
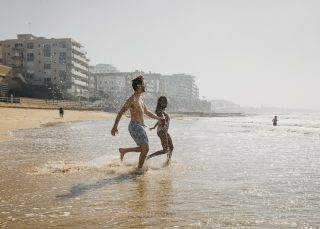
<point x="60" y="62"/>
<point x="4" y="74"/>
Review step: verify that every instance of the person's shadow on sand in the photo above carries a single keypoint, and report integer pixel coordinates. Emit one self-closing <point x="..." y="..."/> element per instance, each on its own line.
<point x="80" y="189"/>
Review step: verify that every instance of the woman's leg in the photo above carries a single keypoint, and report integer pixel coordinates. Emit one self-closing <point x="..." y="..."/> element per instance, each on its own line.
<point x="170" y="146"/>
<point x="164" y="142"/>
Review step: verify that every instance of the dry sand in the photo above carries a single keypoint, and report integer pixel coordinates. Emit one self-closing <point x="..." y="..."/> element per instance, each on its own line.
<point x="19" y="118"/>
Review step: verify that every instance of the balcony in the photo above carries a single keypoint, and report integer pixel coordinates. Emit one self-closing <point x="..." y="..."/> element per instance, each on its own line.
<point x="79" y="66"/>
<point x="79" y="74"/>
<point x="79" y="83"/>
<point x="80" y="58"/>
<point x="79" y="50"/>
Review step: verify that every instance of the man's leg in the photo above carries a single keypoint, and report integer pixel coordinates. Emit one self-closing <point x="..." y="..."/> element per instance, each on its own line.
<point x="144" y="151"/>
<point x="123" y="151"/>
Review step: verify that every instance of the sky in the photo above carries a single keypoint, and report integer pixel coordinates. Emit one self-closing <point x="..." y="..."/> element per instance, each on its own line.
<point x="250" y="52"/>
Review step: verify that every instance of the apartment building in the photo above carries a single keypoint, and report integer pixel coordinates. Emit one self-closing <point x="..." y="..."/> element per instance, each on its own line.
<point x="153" y="81"/>
<point x="119" y="84"/>
<point x="112" y="84"/>
<point x="107" y="80"/>
<point x="105" y="68"/>
<point x="180" y="86"/>
<point x="5" y="71"/>
<point x="60" y="62"/>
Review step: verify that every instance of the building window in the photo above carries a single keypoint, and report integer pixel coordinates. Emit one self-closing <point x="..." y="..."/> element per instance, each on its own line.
<point x="47" y="66"/>
<point x="62" y="44"/>
<point x="62" y="58"/>
<point x="30" y="57"/>
<point x="30" y="76"/>
<point x="29" y="45"/>
<point x="62" y="75"/>
<point x="47" y="50"/>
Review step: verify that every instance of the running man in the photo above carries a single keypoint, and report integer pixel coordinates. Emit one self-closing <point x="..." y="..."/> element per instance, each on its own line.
<point x="136" y="127"/>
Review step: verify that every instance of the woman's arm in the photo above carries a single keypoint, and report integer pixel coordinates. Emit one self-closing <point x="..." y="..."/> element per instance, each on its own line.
<point x="157" y="123"/>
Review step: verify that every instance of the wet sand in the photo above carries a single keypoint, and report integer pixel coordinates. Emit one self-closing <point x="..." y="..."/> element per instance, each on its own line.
<point x="18" y="118"/>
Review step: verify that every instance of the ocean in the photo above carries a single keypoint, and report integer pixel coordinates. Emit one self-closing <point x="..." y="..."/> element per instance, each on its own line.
<point x="226" y="172"/>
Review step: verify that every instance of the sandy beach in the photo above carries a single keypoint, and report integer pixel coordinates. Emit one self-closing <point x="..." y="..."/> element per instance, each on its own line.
<point x="19" y="118"/>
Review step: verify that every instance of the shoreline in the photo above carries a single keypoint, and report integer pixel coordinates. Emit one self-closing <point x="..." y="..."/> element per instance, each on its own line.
<point x="24" y="118"/>
<point x="208" y="114"/>
<point x="14" y="118"/>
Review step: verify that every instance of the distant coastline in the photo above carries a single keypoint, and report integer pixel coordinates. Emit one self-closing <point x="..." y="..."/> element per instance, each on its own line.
<point x="209" y="114"/>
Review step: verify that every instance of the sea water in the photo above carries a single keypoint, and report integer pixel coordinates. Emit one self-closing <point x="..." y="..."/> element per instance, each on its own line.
<point x="231" y="172"/>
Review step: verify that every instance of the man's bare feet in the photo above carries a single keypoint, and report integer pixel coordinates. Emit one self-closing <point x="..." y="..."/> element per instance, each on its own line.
<point x="141" y="171"/>
<point x="122" y="153"/>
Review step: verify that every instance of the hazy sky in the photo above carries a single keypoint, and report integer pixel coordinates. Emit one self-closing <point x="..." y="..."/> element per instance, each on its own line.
<point x="251" y="52"/>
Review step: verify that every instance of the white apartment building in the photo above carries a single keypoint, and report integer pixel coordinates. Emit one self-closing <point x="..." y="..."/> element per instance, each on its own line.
<point x="105" y="68"/>
<point x="61" y="62"/>
<point x="112" y="84"/>
<point x="153" y="81"/>
<point x="119" y="84"/>
<point x="180" y="86"/>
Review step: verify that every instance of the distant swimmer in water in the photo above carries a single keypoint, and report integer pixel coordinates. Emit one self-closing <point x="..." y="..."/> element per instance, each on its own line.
<point x="162" y="130"/>
<point x="136" y="126"/>
<point x="275" y="121"/>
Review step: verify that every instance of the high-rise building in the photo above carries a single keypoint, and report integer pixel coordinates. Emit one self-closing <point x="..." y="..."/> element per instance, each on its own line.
<point x="59" y="62"/>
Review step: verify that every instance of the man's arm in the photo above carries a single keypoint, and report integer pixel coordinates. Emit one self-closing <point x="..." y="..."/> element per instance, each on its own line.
<point x="124" y="108"/>
<point x="151" y="115"/>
